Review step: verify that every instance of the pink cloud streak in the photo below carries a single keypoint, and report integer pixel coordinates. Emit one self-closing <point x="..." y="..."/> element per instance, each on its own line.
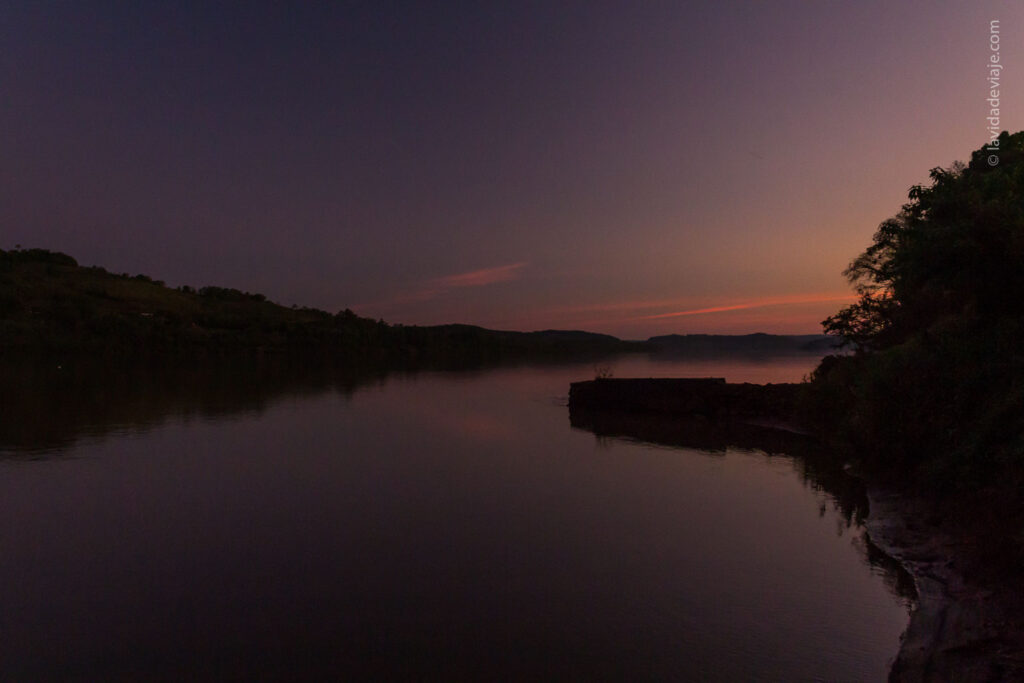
<point x="782" y="301"/>
<point x="478" y="278"/>
<point x="437" y="286"/>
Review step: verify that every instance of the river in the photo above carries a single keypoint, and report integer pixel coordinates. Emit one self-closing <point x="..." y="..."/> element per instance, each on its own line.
<point x="188" y="523"/>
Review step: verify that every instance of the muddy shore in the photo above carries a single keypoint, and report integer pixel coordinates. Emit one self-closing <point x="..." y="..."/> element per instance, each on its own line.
<point x="966" y="625"/>
<point x="962" y="630"/>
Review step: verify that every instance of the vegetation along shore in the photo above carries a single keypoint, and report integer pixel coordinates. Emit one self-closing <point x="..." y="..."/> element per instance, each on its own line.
<point x="927" y="405"/>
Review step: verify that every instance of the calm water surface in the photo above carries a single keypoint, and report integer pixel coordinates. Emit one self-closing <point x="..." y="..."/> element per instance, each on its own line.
<point x="438" y="526"/>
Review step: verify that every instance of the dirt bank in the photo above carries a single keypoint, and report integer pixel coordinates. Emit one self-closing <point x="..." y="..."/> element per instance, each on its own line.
<point x="968" y="622"/>
<point x="962" y="629"/>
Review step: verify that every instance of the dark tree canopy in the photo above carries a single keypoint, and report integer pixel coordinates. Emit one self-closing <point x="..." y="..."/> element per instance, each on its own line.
<point x="935" y="390"/>
<point x="953" y="255"/>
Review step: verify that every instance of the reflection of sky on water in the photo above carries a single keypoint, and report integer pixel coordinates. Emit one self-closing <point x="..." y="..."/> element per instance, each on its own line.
<point x="451" y="523"/>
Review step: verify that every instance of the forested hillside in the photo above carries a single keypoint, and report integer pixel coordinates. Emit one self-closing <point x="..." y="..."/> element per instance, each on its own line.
<point x="49" y="304"/>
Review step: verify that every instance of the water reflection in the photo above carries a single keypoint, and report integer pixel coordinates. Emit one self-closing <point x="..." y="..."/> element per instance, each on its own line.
<point x="817" y="469"/>
<point x="313" y="522"/>
<point x="48" y="407"/>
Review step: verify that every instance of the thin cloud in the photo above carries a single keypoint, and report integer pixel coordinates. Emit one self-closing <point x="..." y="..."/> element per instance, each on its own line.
<point x="634" y="307"/>
<point x="564" y="316"/>
<point x="478" y="278"/>
<point x="785" y="301"/>
<point x="438" y="286"/>
<point x="700" y="311"/>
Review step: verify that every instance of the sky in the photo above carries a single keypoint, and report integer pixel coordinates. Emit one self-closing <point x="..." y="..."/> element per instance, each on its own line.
<point x="634" y="168"/>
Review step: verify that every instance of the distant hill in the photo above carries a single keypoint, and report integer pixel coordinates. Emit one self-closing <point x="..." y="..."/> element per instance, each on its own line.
<point x="572" y="336"/>
<point x="50" y="304"/>
<point x="759" y="343"/>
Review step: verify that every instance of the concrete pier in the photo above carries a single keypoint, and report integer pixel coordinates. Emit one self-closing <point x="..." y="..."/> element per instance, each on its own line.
<point x="707" y="397"/>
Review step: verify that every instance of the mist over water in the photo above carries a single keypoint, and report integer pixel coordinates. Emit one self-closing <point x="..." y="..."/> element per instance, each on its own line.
<point x="443" y="525"/>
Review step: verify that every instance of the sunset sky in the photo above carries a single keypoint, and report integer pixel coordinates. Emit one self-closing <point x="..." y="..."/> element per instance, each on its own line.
<point x="630" y="168"/>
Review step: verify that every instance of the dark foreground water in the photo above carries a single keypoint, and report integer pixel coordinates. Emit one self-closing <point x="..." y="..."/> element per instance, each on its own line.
<point x="196" y="524"/>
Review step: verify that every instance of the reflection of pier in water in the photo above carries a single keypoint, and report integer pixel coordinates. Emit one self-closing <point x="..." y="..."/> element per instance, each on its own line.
<point x="818" y="469"/>
<point x="48" y="405"/>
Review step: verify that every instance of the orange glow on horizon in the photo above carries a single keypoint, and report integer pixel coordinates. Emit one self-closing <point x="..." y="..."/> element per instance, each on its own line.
<point x="792" y="314"/>
<point x="783" y="301"/>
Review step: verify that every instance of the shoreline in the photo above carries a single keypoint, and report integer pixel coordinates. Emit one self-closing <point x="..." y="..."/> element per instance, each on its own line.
<point x="960" y="629"/>
<point x="964" y="626"/>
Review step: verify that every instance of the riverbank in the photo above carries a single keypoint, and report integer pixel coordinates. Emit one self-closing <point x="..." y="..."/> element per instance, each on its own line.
<point x="964" y="627"/>
<point x="967" y="623"/>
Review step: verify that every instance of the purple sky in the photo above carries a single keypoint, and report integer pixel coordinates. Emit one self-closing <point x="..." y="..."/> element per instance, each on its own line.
<point x="631" y="168"/>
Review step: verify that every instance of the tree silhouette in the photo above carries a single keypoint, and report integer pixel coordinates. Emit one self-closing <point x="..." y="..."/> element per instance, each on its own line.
<point x="952" y="256"/>
<point x="935" y="391"/>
